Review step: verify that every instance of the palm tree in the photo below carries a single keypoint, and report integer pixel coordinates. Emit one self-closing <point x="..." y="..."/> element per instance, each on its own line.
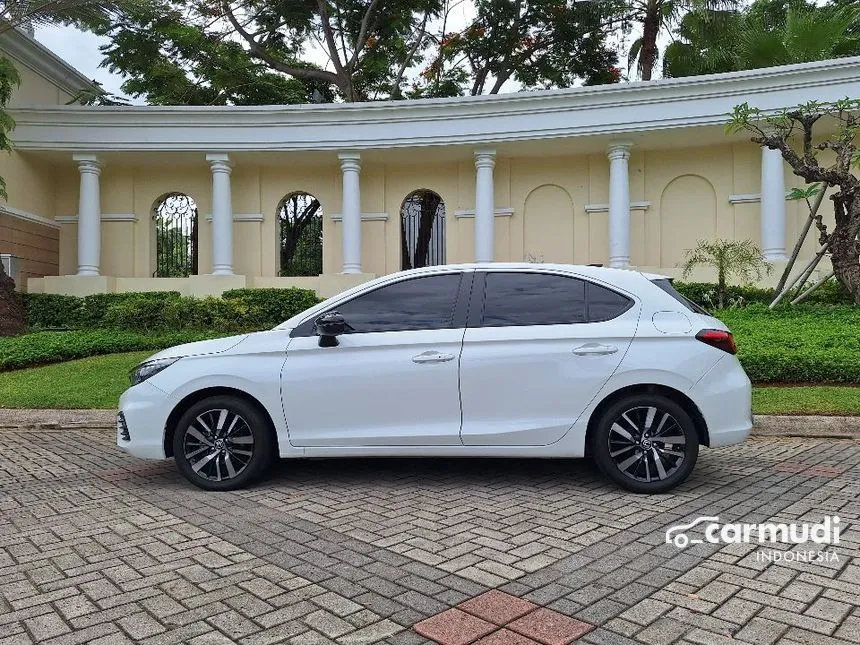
<point x="768" y="33"/>
<point x="661" y="15"/>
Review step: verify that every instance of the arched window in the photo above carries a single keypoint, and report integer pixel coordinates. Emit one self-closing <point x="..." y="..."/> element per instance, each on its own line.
<point x="300" y="220"/>
<point x="422" y="230"/>
<point x="176" y="236"/>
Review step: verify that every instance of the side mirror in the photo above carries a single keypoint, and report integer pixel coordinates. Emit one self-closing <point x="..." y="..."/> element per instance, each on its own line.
<point x="329" y="326"/>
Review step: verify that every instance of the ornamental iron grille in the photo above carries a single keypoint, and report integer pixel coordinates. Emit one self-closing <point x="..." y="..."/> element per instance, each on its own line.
<point x="300" y="223"/>
<point x="176" y="236"/>
<point x="422" y="230"/>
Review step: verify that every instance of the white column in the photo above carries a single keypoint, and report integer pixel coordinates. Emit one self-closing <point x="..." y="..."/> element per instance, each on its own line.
<point x="89" y="215"/>
<point x="485" y="161"/>
<point x="772" y="205"/>
<point x="619" y="204"/>
<point x="222" y="214"/>
<point x="350" y="166"/>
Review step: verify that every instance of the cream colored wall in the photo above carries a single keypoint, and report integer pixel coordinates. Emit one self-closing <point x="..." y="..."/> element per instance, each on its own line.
<point x="35" y="89"/>
<point x="687" y="191"/>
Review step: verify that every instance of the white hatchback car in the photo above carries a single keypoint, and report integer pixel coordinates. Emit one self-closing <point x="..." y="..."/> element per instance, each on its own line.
<point x="495" y="360"/>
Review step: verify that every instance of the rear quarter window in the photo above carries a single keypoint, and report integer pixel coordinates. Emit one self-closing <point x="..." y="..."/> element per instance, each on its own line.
<point x="666" y="285"/>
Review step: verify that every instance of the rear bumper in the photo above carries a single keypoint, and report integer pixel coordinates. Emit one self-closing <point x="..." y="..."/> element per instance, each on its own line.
<point x="724" y="397"/>
<point x="144" y="409"/>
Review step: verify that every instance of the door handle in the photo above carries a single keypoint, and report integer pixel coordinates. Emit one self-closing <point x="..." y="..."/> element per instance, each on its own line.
<point x="432" y="357"/>
<point x="593" y="349"/>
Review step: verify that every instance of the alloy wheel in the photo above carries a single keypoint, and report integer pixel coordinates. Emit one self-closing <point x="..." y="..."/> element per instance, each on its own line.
<point x="218" y="445"/>
<point x="647" y="444"/>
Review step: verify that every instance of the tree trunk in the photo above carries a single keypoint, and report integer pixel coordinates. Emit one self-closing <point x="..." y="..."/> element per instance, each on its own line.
<point x="844" y="254"/>
<point x="650" y="31"/>
<point x="12" y="315"/>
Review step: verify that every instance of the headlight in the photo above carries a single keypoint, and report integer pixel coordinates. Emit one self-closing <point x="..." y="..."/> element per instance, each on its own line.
<point x="148" y="369"/>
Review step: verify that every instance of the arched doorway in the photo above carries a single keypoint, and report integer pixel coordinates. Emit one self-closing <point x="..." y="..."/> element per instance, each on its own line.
<point x="176" y="236"/>
<point x="300" y="220"/>
<point x="422" y="230"/>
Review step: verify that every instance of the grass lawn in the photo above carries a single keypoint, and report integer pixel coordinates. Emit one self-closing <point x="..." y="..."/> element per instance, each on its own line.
<point x="97" y="382"/>
<point x="816" y="399"/>
<point x="94" y="382"/>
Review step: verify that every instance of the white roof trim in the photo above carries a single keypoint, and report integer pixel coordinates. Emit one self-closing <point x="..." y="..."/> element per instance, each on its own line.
<point x="604" y="208"/>
<point x="242" y="217"/>
<point x="105" y="217"/>
<point x="498" y="212"/>
<point x="480" y="120"/>
<point x="28" y="51"/>
<point x="28" y="217"/>
<point x="365" y="217"/>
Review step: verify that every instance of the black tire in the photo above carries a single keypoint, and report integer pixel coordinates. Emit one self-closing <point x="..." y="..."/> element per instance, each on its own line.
<point x="640" y="461"/>
<point x="212" y="440"/>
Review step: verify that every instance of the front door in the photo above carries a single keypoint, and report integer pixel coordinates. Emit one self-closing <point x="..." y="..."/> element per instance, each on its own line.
<point x="392" y="380"/>
<point x="537" y="354"/>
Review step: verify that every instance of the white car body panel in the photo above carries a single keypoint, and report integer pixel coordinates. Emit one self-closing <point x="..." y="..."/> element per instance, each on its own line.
<point x="520" y="390"/>
<point x="369" y="385"/>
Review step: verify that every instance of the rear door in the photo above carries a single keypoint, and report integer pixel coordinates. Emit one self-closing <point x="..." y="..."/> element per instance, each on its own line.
<point x="538" y="348"/>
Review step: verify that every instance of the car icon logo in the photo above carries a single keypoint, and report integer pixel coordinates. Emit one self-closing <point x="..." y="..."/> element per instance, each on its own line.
<point x="676" y="534"/>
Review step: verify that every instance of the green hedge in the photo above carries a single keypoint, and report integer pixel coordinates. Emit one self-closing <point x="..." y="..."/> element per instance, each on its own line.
<point x="798" y="344"/>
<point x="238" y="310"/>
<point x="51" y="311"/>
<point x="54" y="346"/>
<point x="704" y="294"/>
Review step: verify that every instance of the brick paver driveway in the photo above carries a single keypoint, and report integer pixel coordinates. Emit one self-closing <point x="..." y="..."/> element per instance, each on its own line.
<point x="98" y="547"/>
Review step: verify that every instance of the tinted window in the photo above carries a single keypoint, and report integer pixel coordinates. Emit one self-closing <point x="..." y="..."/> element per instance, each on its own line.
<point x="605" y="304"/>
<point x="420" y="303"/>
<point x="666" y="285"/>
<point x="533" y="299"/>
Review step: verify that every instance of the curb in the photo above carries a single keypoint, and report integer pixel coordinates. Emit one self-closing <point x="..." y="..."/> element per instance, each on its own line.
<point x="764" y="425"/>
<point x="813" y="427"/>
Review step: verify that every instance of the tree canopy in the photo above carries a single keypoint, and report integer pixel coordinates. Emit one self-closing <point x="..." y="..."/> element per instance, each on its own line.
<point x="296" y="51"/>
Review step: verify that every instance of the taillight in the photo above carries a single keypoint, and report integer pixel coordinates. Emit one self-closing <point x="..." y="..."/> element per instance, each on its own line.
<point x="718" y="338"/>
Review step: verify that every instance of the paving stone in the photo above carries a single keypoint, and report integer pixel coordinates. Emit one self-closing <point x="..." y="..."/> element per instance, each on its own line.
<point x="497" y="607"/>
<point x="549" y="627"/>
<point x="103" y="546"/>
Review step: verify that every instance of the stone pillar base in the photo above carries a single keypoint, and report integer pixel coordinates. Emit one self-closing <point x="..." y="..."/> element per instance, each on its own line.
<point x="78" y="285"/>
<point x="214" y="285"/>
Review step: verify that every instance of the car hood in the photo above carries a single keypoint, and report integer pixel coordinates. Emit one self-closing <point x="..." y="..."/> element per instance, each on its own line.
<point x="214" y="346"/>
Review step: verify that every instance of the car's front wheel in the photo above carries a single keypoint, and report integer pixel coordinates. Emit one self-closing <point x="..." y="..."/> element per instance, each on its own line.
<point x="222" y="443"/>
<point x="645" y="443"/>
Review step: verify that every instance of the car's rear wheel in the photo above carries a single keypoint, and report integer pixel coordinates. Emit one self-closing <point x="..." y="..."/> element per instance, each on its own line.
<point x="646" y="443"/>
<point x="222" y="443"/>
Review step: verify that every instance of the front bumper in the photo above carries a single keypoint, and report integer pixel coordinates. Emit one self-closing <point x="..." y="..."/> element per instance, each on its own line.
<point x="144" y="409"/>
<point x="724" y="397"/>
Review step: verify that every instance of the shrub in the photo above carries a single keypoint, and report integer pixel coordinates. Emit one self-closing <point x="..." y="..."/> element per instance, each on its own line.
<point x="797" y="344"/>
<point x="50" y="347"/>
<point x="52" y="311"/>
<point x="704" y="294"/>
<point x="238" y="310"/>
<point x="275" y="305"/>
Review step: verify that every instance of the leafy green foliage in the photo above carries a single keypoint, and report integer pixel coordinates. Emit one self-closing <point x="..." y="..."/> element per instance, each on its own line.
<point x="9" y="80"/>
<point x="704" y="294"/>
<point x="238" y="310"/>
<point x="52" y="346"/>
<point x="731" y="258"/>
<point x="764" y="34"/>
<point x="826" y="400"/>
<point x="540" y="44"/>
<point x="53" y="311"/>
<point x="275" y="304"/>
<point x="800" y="344"/>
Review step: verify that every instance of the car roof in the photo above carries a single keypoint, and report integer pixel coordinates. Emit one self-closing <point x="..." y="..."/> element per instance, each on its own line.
<point x="589" y="270"/>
